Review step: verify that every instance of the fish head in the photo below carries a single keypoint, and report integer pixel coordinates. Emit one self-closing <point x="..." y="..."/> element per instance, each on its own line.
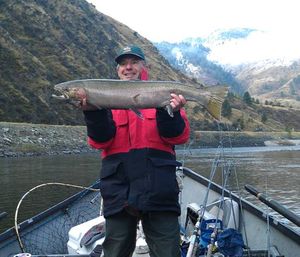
<point x="70" y="93"/>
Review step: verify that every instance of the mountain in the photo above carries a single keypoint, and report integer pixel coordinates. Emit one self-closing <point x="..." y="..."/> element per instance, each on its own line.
<point x="229" y="57"/>
<point x="191" y="58"/>
<point x="46" y="42"/>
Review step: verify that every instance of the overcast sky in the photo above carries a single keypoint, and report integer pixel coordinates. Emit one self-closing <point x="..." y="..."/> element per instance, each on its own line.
<point x="174" y="20"/>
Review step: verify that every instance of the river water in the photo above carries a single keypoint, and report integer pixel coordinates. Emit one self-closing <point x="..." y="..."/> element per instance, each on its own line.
<point x="273" y="170"/>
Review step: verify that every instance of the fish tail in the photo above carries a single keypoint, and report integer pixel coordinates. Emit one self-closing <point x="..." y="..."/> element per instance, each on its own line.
<point x="218" y="91"/>
<point x="214" y="107"/>
<point x="215" y="102"/>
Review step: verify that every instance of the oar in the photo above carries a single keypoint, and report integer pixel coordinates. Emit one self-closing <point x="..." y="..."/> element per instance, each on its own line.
<point x="291" y="216"/>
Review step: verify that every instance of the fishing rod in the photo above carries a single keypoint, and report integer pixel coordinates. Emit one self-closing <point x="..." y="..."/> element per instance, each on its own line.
<point x="226" y="171"/>
<point x="194" y="239"/>
<point x="291" y="216"/>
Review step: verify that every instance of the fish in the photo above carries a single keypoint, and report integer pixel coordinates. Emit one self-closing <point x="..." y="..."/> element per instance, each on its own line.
<point x="140" y="94"/>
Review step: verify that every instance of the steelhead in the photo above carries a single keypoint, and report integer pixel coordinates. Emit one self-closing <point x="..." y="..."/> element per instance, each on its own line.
<point x="139" y="94"/>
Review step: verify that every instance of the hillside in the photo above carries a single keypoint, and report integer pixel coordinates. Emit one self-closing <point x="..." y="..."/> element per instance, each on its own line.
<point x="261" y="117"/>
<point x="277" y="82"/>
<point x="46" y="42"/>
<point x="253" y="116"/>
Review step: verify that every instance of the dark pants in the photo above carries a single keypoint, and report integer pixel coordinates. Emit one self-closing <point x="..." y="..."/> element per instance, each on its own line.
<point x="161" y="230"/>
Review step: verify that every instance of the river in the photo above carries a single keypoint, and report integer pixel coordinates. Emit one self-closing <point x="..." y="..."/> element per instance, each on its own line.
<point x="274" y="170"/>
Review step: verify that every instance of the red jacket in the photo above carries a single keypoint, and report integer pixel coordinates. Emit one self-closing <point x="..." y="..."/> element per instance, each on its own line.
<point x="133" y="132"/>
<point x="139" y="164"/>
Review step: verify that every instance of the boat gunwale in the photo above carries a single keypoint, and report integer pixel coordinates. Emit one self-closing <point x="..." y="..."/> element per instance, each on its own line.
<point x="283" y="228"/>
<point x="277" y="224"/>
<point x="11" y="232"/>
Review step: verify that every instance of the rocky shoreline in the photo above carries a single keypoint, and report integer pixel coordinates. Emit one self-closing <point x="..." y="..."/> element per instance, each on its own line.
<point x="23" y="139"/>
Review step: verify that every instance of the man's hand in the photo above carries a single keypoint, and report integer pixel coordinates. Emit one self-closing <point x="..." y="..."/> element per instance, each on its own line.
<point x="83" y="104"/>
<point x="177" y="102"/>
<point x="86" y="107"/>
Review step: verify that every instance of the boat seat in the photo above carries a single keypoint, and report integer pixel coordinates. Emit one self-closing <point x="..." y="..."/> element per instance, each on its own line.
<point x="93" y="234"/>
<point x="84" y="237"/>
<point x="226" y="210"/>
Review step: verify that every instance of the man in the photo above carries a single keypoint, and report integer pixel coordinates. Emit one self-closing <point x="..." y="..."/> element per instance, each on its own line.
<point x="138" y="179"/>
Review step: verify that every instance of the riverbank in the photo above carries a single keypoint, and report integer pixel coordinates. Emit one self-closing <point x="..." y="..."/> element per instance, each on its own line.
<point x="24" y="139"/>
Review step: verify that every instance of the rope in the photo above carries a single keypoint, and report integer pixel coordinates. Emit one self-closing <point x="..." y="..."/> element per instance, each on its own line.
<point x="31" y="190"/>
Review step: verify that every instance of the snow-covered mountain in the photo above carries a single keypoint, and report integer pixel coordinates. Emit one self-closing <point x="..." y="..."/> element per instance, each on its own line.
<point x="246" y="59"/>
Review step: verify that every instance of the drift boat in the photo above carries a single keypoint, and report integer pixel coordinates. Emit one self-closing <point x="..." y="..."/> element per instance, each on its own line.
<point x="75" y="228"/>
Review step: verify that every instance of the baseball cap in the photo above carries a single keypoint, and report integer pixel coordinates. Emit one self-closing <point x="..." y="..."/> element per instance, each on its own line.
<point x="130" y="50"/>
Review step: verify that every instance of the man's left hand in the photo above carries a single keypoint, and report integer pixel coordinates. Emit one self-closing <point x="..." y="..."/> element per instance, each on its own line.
<point x="177" y="102"/>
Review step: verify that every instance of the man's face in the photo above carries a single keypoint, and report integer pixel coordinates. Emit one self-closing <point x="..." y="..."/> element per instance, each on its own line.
<point x="130" y="67"/>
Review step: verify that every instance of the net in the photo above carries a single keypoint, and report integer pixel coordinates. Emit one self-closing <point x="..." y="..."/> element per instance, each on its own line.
<point x="50" y="234"/>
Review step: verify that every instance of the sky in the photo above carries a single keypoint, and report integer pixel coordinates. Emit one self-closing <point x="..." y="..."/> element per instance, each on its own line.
<point x="175" y="20"/>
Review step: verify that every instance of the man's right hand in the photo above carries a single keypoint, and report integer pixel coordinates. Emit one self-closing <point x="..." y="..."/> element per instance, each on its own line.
<point x="83" y="104"/>
<point x="86" y="106"/>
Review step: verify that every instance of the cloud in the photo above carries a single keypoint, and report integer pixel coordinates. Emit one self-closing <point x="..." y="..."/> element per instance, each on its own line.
<point x="174" y="21"/>
<point x="258" y="46"/>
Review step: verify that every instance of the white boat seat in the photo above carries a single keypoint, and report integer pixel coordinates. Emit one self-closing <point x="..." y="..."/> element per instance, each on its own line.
<point x="226" y="210"/>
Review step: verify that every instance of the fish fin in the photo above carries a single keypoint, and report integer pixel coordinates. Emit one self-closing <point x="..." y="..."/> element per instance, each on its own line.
<point x="138" y="113"/>
<point x="135" y="98"/>
<point x="170" y="110"/>
<point x="214" y="107"/>
<point x="218" y="94"/>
